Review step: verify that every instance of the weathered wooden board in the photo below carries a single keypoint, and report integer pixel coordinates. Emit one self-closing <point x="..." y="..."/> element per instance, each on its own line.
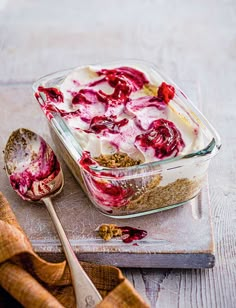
<point x="178" y="238"/>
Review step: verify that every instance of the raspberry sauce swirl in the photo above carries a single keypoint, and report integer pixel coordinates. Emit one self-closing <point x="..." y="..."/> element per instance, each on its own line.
<point x="163" y="137"/>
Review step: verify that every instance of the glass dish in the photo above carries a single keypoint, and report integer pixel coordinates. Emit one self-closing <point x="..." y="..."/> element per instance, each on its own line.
<point x="142" y="189"/>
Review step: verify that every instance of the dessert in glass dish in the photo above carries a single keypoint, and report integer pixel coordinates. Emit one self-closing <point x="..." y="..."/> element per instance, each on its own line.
<point x="132" y="139"/>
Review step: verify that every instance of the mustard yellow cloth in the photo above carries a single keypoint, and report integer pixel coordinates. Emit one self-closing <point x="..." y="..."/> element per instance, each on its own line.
<point x="33" y="282"/>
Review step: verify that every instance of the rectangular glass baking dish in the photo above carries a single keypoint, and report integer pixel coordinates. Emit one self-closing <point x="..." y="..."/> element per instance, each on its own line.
<point x="142" y="189"/>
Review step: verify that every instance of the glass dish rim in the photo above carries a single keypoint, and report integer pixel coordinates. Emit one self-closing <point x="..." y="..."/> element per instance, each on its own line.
<point x="61" y="127"/>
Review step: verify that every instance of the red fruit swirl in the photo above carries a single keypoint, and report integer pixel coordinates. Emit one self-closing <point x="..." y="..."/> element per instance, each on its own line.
<point x="85" y="97"/>
<point x="164" y="137"/>
<point x="109" y="194"/>
<point x="128" y="75"/>
<point x="102" y="123"/>
<point x="52" y="94"/>
<point x="166" y="92"/>
<point x="86" y="161"/>
<point x="104" y="192"/>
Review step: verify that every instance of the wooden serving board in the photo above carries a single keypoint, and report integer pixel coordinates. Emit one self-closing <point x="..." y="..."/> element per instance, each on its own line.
<point x="177" y="238"/>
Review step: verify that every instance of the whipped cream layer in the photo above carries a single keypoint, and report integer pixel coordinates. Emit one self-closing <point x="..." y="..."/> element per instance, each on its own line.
<point x="124" y="109"/>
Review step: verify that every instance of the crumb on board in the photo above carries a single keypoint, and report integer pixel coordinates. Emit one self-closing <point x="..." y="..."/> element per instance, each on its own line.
<point x="108" y="231"/>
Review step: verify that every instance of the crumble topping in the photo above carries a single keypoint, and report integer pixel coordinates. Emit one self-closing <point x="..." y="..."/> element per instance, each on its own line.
<point x="116" y="160"/>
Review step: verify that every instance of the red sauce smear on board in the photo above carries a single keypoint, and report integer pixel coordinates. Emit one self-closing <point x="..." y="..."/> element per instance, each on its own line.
<point x="130" y="234"/>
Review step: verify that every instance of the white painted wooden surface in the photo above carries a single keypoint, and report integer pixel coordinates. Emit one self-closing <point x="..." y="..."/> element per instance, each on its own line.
<point x="189" y="40"/>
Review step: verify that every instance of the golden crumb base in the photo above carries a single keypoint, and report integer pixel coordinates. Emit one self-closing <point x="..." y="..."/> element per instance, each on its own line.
<point x="155" y="197"/>
<point x="161" y="196"/>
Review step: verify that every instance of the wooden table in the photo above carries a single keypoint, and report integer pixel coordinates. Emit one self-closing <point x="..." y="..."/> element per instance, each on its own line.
<point x="191" y="41"/>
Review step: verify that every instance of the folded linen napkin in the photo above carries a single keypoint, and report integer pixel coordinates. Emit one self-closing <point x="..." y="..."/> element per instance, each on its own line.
<point x="33" y="282"/>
